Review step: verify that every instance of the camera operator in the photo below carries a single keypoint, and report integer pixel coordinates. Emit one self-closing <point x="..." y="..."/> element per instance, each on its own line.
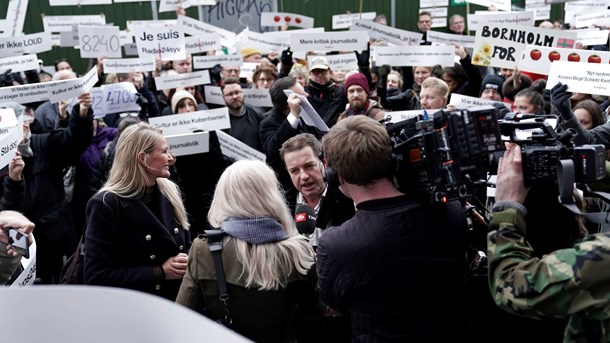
<point x="398" y="257"/>
<point x="568" y="282"/>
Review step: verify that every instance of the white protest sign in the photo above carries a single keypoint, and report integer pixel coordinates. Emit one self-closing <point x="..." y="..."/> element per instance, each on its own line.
<point x="398" y="116"/>
<point x="415" y="55"/>
<point x="15" y="17"/>
<point x="514" y="18"/>
<point x="95" y="41"/>
<point x="213" y="95"/>
<point x="437" y="12"/>
<point x="601" y="18"/>
<point x="130" y="49"/>
<point x="439" y="22"/>
<point x="288" y="19"/>
<point x="247" y="69"/>
<point x="450" y="39"/>
<point x="503" y="5"/>
<point x="538" y="59"/>
<point x="189" y="143"/>
<point x="69" y="38"/>
<point x="257" y="97"/>
<point x="79" y="2"/>
<point x="285" y="35"/>
<point x="463" y="101"/>
<point x="208" y="120"/>
<point x="11" y="134"/>
<point x="501" y="46"/>
<point x="182" y="80"/>
<point x="592" y="36"/>
<point x="585" y="5"/>
<point x="28" y="275"/>
<point x="165" y="43"/>
<point x="61" y="90"/>
<point x="205" y="62"/>
<point x="125" y="37"/>
<point x="330" y="41"/>
<point x="588" y="78"/>
<point x="236" y="149"/>
<point x="344" y="21"/>
<point x="129" y="65"/>
<point x="202" y="43"/>
<point x="339" y="62"/>
<point x="25" y="93"/>
<point x="308" y="113"/>
<point x="120" y="97"/>
<point x="99" y="105"/>
<point x="542" y="10"/>
<point x="132" y="24"/>
<point x="263" y="42"/>
<point x="386" y="33"/>
<point x="27" y="44"/>
<point x="195" y="27"/>
<point x="172" y="5"/>
<point x="19" y="63"/>
<point x="433" y="3"/>
<point x="62" y="23"/>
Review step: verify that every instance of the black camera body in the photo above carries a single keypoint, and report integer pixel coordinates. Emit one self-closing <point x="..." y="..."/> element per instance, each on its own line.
<point x="544" y="150"/>
<point x="447" y="156"/>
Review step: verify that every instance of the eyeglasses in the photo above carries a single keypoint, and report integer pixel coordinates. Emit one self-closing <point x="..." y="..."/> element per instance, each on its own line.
<point x="128" y="114"/>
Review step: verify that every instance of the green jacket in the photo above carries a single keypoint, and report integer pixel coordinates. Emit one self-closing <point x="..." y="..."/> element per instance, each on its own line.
<point x="568" y="282"/>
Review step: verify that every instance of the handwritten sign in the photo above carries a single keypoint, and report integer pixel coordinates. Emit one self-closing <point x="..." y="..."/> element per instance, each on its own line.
<point x="450" y="39"/>
<point x="501" y="46"/>
<point x="195" y="27"/>
<point x="68" y="89"/>
<point x="128" y="65"/>
<point x="182" y="80"/>
<point x="213" y="95"/>
<point x="538" y="59"/>
<point x="188" y="143"/>
<point x="286" y="19"/>
<point x="588" y="78"/>
<point x="415" y="55"/>
<point x="165" y="43"/>
<point x="95" y="41"/>
<point x="27" y="44"/>
<point x="237" y="150"/>
<point x="120" y="97"/>
<point x="62" y="23"/>
<point x="463" y="101"/>
<point x="330" y="41"/>
<point x="344" y="21"/>
<point x="387" y="33"/>
<point x="208" y="120"/>
<point x="257" y="97"/>
<point x="205" y="62"/>
<point x="15" y="17"/>
<point x="19" y="63"/>
<point x="339" y="62"/>
<point x="202" y="43"/>
<point x="514" y="18"/>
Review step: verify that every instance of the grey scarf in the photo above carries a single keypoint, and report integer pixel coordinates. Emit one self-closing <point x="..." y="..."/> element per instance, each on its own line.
<point x="254" y="230"/>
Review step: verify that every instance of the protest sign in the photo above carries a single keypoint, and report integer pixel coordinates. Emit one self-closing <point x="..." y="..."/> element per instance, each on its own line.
<point x="95" y="41"/>
<point x="538" y="60"/>
<point x="202" y="43"/>
<point x="463" y="101"/>
<point x="433" y="3"/>
<point x="450" y="39"/>
<point x="344" y="21"/>
<point x="67" y="89"/>
<point x="213" y="95"/>
<point x="263" y="42"/>
<point x="165" y="43"/>
<point x="501" y="46"/>
<point x="79" y="2"/>
<point x="399" y="116"/>
<point x="11" y="134"/>
<point x="415" y="55"/>
<point x="188" y="143"/>
<point x="128" y="65"/>
<point x="62" y="23"/>
<point x="237" y="150"/>
<point x="205" y="62"/>
<point x="600" y="18"/>
<point x="503" y="5"/>
<point x="27" y="44"/>
<point x="15" y="17"/>
<point x="195" y="27"/>
<point x="330" y="41"/>
<point x="208" y="120"/>
<point x="542" y="10"/>
<point x="387" y="33"/>
<point x="257" y="97"/>
<point x="120" y="97"/>
<point x="25" y="93"/>
<point x="182" y="80"/>
<point x="592" y="36"/>
<point x="588" y="78"/>
<point x="19" y="63"/>
<point x="286" y="19"/>
<point x="508" y="18"/>
<point x="339" y="62"/>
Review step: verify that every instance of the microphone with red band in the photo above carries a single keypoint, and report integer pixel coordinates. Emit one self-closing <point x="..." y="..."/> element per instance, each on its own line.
<point x="305" y="219"/>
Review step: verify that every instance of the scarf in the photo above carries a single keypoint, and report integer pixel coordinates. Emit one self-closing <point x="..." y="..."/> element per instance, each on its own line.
<point x="254" y="230"/>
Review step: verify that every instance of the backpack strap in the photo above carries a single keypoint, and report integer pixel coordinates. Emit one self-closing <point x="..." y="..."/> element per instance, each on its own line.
<point x="215" y="245"/>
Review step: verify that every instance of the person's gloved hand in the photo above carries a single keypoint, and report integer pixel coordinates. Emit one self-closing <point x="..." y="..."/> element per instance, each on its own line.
<point x="364" y="56"/>
<point x="560" y="98"/>
<point x="286" y="58"/>
<point x="215" y="76"/>
<point x="6" y="79"/>
<point x="383" y="73"/>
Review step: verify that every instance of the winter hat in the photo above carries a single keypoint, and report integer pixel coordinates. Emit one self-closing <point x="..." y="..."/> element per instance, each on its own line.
<point x="357" y="79"/>
<point x="247" y="51"/>
<point x="179" y="95"/>
<point x="319" y="62"/>
<point x="494" y="82"/>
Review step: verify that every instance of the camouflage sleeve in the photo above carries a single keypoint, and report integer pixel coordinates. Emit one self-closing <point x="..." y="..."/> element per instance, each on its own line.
<point x="562" y="283"/>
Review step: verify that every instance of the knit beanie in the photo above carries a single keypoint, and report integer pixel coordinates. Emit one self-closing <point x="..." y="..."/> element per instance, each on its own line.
<point x="179" y="95"/>
<point x="357" y="79"/>
<point x="494" y="82"/>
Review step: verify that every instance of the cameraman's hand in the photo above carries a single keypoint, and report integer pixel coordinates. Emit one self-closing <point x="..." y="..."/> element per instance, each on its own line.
<point x="509" y="184"/>
<point x="364" y="56"/>
<point x="560" y="98"/>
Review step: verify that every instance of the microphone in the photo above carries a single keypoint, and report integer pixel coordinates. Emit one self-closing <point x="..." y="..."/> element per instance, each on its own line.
<point x="305" y="219"/>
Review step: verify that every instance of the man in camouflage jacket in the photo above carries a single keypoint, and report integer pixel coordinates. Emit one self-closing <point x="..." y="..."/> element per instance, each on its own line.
<point x="569" y="282"/>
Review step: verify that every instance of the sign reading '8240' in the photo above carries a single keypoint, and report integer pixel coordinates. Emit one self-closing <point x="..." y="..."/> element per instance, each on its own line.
<point x="96" y="41"/>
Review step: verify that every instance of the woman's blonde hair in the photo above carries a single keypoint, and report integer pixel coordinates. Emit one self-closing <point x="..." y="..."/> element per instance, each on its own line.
<point x="127" y="176"/>
<point x="250" y="189"/>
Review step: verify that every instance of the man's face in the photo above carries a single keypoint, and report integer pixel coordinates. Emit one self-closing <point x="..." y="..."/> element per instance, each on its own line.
<point x="457" y="26"/>
<point x="320" y="76"/>
<point x="491" y="94"/>
<point x="424" y="23"/>
<point x="183" y="66"/>
<point x="234" y="97"/>
<point x="229" y="72"/>
<point x="431" y="99"/>
<point x="356" y="96"/>
<point x="305" y="172"/>
<point x="254" y="58"/>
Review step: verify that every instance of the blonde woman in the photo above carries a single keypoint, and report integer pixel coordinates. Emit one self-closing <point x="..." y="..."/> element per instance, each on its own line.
<point x="268" y="266"/>
<point x="137" y="228"/>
